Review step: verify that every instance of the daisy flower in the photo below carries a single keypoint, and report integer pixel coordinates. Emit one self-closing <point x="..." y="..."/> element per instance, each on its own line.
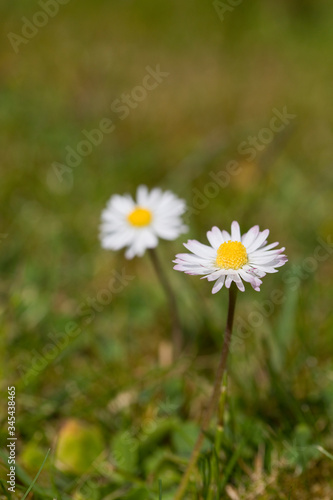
<point x="232" y="257"/>
<point x="138" y="224"/>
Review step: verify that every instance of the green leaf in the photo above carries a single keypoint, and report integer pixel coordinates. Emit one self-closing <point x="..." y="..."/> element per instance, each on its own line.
<point x="79" y="445"/>
<point x="125" y="451"/>
<point x="184" y="438"/>
<point x="152" y="437"/>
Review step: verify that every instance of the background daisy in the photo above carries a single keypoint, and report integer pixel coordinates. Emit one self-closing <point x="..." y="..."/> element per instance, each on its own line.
<point x="232" y="257"/>
<point x="137" y="224"/>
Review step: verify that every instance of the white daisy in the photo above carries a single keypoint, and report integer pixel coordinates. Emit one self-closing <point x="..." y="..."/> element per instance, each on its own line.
<point x="138" y="224"/>
<point x="232" y="257"/>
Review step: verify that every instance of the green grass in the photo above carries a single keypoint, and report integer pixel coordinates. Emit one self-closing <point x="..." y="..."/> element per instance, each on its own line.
<point x="130" y="421"/>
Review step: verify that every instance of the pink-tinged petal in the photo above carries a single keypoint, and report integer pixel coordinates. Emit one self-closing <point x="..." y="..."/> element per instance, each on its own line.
<point x="250" y="236"/>
<point x="258" y="241"/>
<point x="275" y="262"/>
<point x="249" y="278"/>
<point x="190" y="269"/>
<point x="280" y="261"/>
<point x="266" y="253"/>
<point x="189" y="257"/>
<point x="204" y="264"/>
<point x="239" y="283"/>
<point x="258" y="272"/>
<point x="262" y="260"/>
<point x="253" y="271"/>
<point x="196" y="272"/>
<point x="235" y="231"/>
<point x="267" y="269"/>
<point x="179" y="267"/>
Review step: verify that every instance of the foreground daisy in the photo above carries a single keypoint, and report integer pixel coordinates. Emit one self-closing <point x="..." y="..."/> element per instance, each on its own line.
<point x="138" y="224"/>
<point x="232" y="257"/>
<point x="229" y="258"/>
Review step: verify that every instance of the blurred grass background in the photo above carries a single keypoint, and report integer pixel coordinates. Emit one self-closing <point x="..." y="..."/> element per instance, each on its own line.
<point x="107" y="389"/>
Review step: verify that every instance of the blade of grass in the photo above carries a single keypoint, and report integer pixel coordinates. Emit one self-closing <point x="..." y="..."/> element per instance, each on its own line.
<point x="324" y="452"/>
<point x="4" y="491"/>
<point x="37" y="475"/>
<point x="26" y="479"/>
<point x="231" y="464"/>
<point x="285" y="330"/>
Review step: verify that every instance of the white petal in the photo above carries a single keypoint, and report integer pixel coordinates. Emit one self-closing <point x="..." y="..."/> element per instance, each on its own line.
<point x="151" y="240"/>
<point x="154" y="198"/>
<point x="142" y="195"/>
<point x="116" y="232"/>
<point x="146" y="239"/>
<point x="239" y="283"/>
<point x="191" y="270"/>
<point x="190" y="258"/>
<point x="130" y="252"/>
<point x="215" y="237"/>
<point x="166" y="205"/>
<point x="250" y="236"/>
<point x="200" y="249"/>
<point x="250" y="278"/>
<point x="120" y="204"/>
<point x="279" y="261"/>
<point x="116" y="241"/>
<point x="265" y="253"/>
<point x="226" y="235"/>
<point x="168" y="231"/>
<point x="235" y="231"/>
<point x="265" y="269"/>
<point x="254" y="271"/>
<point x="217" y="273"/>
<point x="258" y="241"/>
<point x="218" y="285"/>
<point x="271" y="245"/>
<point x="194" y="268"/>
<point x="228" y="281"/>
<point x="262" y="260"/>
<point x="114" y="226"/>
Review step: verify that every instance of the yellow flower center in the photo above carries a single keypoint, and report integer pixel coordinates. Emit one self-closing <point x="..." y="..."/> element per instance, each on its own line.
<point x="140" y="217"/>
<point x="231" y="255"/>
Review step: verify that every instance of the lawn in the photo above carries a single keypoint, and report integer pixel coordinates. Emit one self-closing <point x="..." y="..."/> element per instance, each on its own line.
<point x="229" y="107"/>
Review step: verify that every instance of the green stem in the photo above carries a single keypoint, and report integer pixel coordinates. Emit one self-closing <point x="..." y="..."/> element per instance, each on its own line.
<point x="215" y="395"/>
<point x="177" y="332"/>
